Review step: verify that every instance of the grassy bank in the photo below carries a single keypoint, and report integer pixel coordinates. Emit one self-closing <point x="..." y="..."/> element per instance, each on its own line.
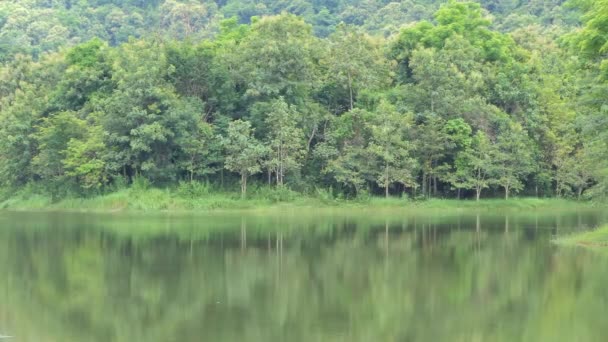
<point x="201" y="199"/>
<point x="596" y="239"/>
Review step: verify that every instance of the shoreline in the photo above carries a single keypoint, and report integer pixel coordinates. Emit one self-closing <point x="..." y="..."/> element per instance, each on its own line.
<point x="165" y="201"/>
<point x="594" y="239"/>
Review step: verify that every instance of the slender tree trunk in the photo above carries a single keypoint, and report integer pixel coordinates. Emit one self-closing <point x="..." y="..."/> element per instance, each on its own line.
<point x="222" y="179"/>
<point x="282" y="172"/>
<point x="386" y="181"/>
<point x="458" y="192"/>
<point x="243" y="185"/>
<point x="506" y="192"/>
<point x="423" y="183"/>
<point x="350" y="89"/>
<point x="312" y="135"/>
<point x="478" y="193"/>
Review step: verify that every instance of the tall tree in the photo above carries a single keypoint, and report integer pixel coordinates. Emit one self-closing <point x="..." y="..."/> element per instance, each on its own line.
<point x="355" y="62"/>
<point x="200" y="149"/>
<point x="475" y="165"/>
<point x="244" y="153"/>
<point x="513" y="158"/>
<point x="390" y="143"/>
<point x="285" y="139"/>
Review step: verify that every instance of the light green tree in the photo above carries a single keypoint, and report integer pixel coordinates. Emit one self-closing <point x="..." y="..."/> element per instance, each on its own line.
<point x="244" y="153"/>
<point x="200" y="148"/>
<point x="356" y="62"/>
<point x="84" y="159"/>
<point x="53" y="137"/>
<point x="285" y="139"/>
<point x="512" y="158"/>
<point x="475" y="166"/>
<point x="390" y="144"/>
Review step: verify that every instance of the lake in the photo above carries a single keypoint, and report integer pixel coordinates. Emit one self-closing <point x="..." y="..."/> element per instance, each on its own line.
<point x="307" y="275"/>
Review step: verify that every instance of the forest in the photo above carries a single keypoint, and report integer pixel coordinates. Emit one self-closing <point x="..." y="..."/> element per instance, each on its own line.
<point x="349" y="98"/>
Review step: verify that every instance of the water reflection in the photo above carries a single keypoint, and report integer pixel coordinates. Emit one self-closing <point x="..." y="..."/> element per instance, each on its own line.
<point x="300" y="277"/>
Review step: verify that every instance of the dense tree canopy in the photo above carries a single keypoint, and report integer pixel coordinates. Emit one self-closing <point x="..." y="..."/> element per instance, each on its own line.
<point x="423" y="98"/>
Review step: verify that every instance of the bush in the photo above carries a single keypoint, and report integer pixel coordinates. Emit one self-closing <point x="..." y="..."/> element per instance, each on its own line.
<point x="118" y="183"/>
<point x="325" y="195"/>
<point x="140" y="184"/>
<point x="275" y="194"/>
<point x="193" y="189"/>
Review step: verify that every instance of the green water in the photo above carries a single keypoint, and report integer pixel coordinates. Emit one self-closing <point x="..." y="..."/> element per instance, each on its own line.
<point x="301" y="276"/>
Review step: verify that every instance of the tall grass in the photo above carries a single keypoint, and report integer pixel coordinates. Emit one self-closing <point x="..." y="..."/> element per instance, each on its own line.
<point x="597" y="239"/>
<point x="197" y="196"/>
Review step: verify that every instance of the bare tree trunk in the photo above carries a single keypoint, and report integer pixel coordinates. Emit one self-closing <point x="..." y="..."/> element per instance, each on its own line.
<point x="478" y="193"/>
<point x="423" y="183"/>
<point x="312" y="135"/>
<point x="243" y="185"/>
<point x="386" y="181"/>
<point x="506" y="192"/>
<point x="350" y="89"/>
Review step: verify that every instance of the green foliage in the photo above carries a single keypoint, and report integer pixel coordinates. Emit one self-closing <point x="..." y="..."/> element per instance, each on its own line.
<point x="193" y="189"/>
<point x="244" y="153"/>
<point x="465" y="100"/>
<point x="286" y="140"/>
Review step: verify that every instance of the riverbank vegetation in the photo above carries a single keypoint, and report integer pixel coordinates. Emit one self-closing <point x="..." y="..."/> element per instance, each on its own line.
<point x="194" y="197"/>
<point x="596" y="239"/>
<point x="463" y="103"/>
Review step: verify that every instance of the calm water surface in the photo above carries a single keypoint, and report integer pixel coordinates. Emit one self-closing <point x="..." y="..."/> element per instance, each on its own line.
<point x="307" y="276"/>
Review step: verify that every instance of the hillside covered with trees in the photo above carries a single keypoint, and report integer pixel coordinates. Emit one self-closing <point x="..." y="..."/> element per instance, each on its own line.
<point x="351" y="97"/>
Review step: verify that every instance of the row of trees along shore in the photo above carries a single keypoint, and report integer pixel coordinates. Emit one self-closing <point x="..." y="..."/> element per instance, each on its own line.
<point x="447" y="107"/>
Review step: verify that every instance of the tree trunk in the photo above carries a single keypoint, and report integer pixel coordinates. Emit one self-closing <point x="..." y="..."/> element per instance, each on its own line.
<point x="386" y="181"/>
<point x="478" y="193"/>
<point x="458" y="192"/>
<point x="312" y="135"/>
<point x="424" y="183"/>
<point x="222" y="179"/>
<point x="243" y="185"/>
<point x="350" y="89"/>
<point x="506" y="192"/>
